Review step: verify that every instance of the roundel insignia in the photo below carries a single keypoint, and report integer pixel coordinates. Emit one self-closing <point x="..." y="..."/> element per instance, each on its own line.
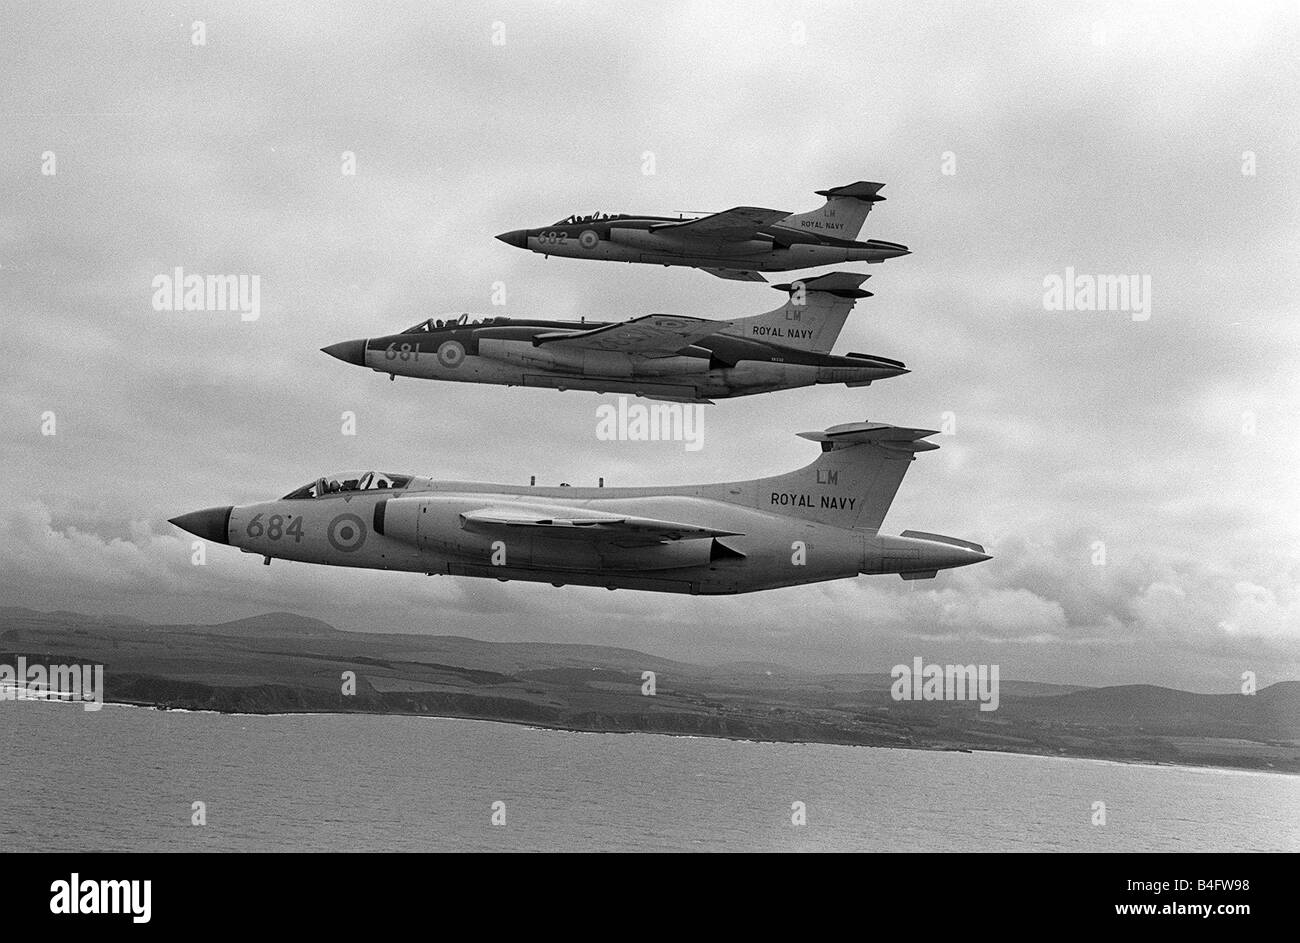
<point x="588" y="239"/>
<point x="451" y="353"/>
<point x="671" y="324"/>
<point x="346" y="533"/>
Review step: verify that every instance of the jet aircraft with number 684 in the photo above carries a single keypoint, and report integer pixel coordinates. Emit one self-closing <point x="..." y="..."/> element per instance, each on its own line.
<point x="659" y="356"/>
<point x="821" y="522"/>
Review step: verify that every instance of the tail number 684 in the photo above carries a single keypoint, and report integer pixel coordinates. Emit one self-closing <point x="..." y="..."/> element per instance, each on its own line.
<point x="274" y="528"/>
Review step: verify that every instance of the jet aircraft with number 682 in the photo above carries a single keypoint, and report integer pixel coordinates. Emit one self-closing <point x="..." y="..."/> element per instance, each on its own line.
<point x="738" y="243"/>
<point x="659" y="356"/>
<point x="819" y="523"/>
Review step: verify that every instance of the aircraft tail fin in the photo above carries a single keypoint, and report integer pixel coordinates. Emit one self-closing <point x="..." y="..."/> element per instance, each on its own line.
<point x="843" y="213"/>
<point x="813" y="317"/>
<point x="853" y="482"/>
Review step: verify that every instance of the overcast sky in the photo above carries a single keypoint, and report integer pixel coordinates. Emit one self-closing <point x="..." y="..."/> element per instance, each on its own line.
<point x="1113" y="139"/>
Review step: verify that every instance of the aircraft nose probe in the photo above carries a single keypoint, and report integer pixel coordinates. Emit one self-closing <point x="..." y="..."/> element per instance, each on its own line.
<point x="210" y="524"/>
<point x="348" y="351"/>
<point x="888" y="250"/>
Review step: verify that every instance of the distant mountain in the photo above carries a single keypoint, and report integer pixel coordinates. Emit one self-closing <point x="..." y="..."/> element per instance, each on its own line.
<point x="272" y="623"/>
<point x="267" y="624"/>
<point x="1273" y="712"/>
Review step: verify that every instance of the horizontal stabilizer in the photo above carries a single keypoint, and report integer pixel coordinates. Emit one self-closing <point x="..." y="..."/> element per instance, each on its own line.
<point x="869" y="192"/>
<point x="876" y="433"/>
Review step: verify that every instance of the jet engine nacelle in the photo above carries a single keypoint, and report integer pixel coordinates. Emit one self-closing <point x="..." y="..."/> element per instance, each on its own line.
<point x="434" y="523"/>
<point x="524" y="354"/>
<point x="592" y="363"/>
<point x="646" y="241"/>
<point x="657" y="244"/>
<point x="398" y="519"/>
<point x="553" y="553"/>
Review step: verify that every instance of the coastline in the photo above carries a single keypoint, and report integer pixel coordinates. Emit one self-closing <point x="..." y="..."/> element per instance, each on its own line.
<point x="564" y="728"/>
<point x="284" y="664"/>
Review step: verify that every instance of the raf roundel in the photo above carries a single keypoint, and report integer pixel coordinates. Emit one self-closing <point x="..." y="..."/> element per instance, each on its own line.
<point x="588" y="239"/>
<point x="346" y="533"/>
<point x="451" y="353"/>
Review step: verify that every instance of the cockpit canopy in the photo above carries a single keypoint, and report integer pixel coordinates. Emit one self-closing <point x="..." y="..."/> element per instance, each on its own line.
<point x="593" y="218"/>
<point x="348" y="482"/>
<point x="450" y="320"/>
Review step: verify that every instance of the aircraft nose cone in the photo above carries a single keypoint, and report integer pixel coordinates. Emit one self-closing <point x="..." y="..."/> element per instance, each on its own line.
<point x="887" y="250"/>
<point x="348" y="352"/>
<point x="516" y="237"/>
<point x="210" y="523"/>
<point x="967" y="558"/>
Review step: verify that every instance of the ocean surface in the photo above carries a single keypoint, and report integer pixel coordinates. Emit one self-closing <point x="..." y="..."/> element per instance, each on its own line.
<point x="126" y="778"/>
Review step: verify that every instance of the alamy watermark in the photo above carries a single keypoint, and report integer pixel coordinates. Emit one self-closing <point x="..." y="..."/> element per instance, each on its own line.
<point x="24" y="682"/>
<point x="658" y="422"/>
<point x="79" y="895"/>
<point x="181" y="292"/>
<point x="921" y="682"/>
<point x="1073" y="292"/>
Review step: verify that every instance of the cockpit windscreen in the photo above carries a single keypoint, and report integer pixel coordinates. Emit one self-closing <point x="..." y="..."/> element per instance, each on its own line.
<point x="349" y="482"/>
<point x="429" y="325"/>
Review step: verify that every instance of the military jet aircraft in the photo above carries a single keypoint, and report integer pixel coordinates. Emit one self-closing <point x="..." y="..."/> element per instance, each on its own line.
<point x="738" y="243"/>
<point x="659" y="356"/>
<point x="819" y="523"/>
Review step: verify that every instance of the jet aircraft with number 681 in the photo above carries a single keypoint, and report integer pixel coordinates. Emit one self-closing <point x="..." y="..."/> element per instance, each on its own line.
<point x="821" y="522"/>
<point x="659" y="356"/>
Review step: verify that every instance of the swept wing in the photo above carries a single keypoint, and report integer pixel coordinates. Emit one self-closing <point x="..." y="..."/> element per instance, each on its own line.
<point x="654" y="335"/>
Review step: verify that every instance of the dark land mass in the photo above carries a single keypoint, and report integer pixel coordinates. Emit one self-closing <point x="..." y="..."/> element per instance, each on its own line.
<point x="280" y="663"/>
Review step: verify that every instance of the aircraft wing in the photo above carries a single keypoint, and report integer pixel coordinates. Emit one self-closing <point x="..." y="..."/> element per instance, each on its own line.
<point x="738" y="224"/>
<point x="654" y="335"/>
<point x="577" y="524"/>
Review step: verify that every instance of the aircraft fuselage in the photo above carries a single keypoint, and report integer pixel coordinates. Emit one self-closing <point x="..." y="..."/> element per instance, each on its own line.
<point x="631" y="239"/>
<point x="422" y="528"/>
<point x="718" y="367"/>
